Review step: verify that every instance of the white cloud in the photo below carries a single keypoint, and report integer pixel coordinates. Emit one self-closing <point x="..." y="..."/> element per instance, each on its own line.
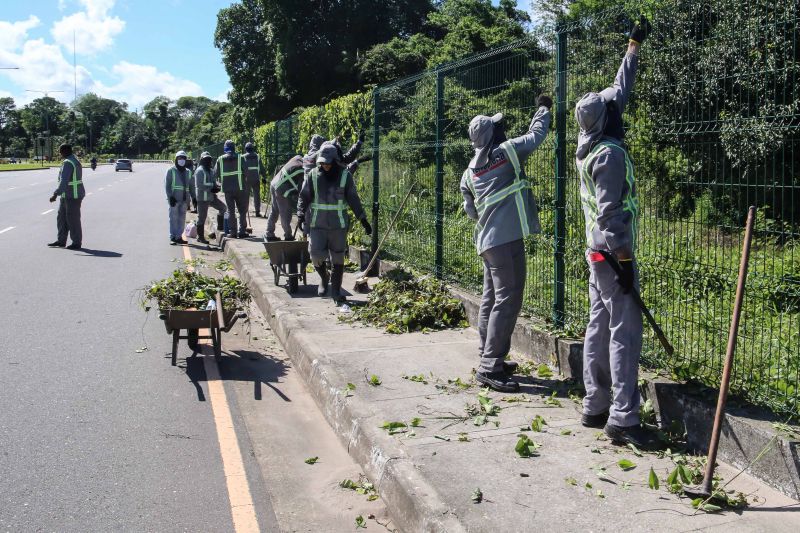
<point x="15" y="33"/>
<point x="223" y="96"/>
<point x="138" y="84"/>
<point x="93" y="29"/>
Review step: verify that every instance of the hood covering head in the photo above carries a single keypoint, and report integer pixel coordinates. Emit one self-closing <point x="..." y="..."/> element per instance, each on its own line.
<point x="481" y="135"/>
<point x="180" y="153"/>
<point x="249" y="147"/>
<point x="591" y="112"/>
<point x="229" y="147"/>
<point x="315" y="143"/>
<point x="205" y="159"/>
<point x="328" y="154"/>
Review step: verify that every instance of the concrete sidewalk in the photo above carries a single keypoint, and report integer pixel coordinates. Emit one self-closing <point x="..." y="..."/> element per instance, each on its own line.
<point x="428" y="474"/>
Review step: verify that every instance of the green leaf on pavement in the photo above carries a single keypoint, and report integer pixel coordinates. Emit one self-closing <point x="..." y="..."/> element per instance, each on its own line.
<point x="544" y="371"/>
<point x="374" y="380"/>
<point x="526" y="447"/>
<point x="626" y="464"/>
<point x="566" y="432"/>
<point x="652" y="479"/>
<point x="415" y="422"/>
<point x="311" y="460"/>
<point x="463" y="437"/>
<point x="571" y="481"/>
<point x="477" y="496"/>
<point x="360" y="522"/>
<point x="537" y="423"/>
<point x="552" y="401"/>
<point x="634" y="449"/>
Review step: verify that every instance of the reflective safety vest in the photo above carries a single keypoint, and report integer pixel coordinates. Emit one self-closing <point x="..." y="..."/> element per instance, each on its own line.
<point x="237" y="172"/>
<point x="630" y="202"/>
<point x="317" y="206"/>
<point x="516" y="188"/>
<point x="257" y="167"/>
<point x="74" y="182"/>
<point x="287" y="177"/>
<point x="173" y="171"/>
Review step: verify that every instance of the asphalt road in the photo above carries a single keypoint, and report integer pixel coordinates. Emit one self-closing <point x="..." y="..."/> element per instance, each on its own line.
<point x="94" y="436"/>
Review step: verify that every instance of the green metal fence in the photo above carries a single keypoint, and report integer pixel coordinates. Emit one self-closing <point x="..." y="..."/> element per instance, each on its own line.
<point x="713" y="127"/>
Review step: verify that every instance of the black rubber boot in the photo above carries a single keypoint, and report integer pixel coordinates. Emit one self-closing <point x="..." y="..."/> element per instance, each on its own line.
<point x="636" y="435"/>
<point x="594" y="421"/>
<point x="336" y="284"/>
<point x="498" y="381"/>
<point x="510" y="367"/>
<point x="322" y="270"/>
<point x="273" y="239"/>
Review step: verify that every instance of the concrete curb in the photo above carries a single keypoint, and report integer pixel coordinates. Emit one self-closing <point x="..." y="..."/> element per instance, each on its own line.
<point x="745" y="432"/>
<point x="412" y="501"/>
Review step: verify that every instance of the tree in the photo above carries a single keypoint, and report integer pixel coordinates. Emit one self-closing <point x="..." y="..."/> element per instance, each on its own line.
<point x="313" y="48"/>
<point x="161" y="115"/>
<point x="92" y="115"/>
<point x="9" y="123"/>
<point x="45" y="113"/>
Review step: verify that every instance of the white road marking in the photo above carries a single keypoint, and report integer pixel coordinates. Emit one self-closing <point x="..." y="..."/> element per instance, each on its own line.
<point x="48" y="211"/>
<point x="89" y="194"/>
<point x="12" y="188"/>
<point x="7" y="229"/>
<point x="101" y="188"/>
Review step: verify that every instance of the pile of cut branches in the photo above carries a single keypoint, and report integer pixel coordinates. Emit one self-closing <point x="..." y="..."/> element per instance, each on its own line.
<point x="403" y="303"/>
<point x="191" y="290"/>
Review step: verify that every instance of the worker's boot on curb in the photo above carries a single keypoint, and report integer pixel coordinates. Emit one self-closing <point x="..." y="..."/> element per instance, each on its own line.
<point x="272" y="238"/>
<point x="510" y="367"/>
<point x="636" y="435"/>
<point x="324" y="278"/>
<point x="336" y="284"/>
<point x="498" y="381"/>
<point x="597" y="421"/>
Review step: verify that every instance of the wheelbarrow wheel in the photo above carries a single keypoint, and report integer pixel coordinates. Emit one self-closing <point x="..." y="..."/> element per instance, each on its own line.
<point x="293" y="284"/>
<point x="193" y="339"/>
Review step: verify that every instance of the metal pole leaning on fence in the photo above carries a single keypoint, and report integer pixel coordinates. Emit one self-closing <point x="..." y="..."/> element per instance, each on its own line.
<point x="704" y="489"/>
<point x="376" y="174"/>
<point x="560" y="226"/>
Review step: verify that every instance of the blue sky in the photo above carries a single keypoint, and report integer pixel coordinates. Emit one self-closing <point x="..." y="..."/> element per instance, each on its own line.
<point x="129" y="50"/>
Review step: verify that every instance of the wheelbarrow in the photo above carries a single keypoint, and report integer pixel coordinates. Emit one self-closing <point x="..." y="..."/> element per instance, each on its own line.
<point x="193" y="321"/>
<point x="288" y="259"/>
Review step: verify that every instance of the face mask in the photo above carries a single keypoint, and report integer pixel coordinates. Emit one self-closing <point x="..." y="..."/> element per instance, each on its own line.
<point x="181" y="162"/>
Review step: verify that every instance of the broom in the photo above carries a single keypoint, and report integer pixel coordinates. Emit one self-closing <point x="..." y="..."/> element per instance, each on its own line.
<point x="361" y="284"/>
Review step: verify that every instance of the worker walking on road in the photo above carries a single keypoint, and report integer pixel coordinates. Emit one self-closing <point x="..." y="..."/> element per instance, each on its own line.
<point x="613" y="341"/>
<point x="498" y="196"/>
<point x="207" y="189"/>
<point x="177" y="186"/>
<point x="229" y="170"/>
<point x="284" y="190"/>
<point x="326" y="193"/>
<point x="70" y="189"/>
<point x="256" y="175"/>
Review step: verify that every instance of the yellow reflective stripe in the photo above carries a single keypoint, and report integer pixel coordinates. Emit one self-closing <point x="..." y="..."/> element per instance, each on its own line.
<point x="176" y="187"/>
<point x="237" y="172"/>
<point x="74" y="181"/>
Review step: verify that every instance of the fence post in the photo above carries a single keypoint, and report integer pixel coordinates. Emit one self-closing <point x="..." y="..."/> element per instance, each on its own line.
<point x="376" y="174"/>
<point x="438" y="267"/>
<point x="561" y="179"/>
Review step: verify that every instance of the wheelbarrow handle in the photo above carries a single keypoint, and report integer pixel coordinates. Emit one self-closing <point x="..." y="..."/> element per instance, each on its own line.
<point x="220" y="314"/>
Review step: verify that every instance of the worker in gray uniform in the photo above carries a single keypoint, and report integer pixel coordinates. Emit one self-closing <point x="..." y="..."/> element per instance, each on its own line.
<point x="207" y="189"/>
<point x="613" y="341"/>
<point x="70" y="189"/>
<point x="498" y="196"/>
<point x="230" y="172"/>
<point x="256" y="175"/>
<point x="177" y="186"/>
<point x="326" y="194"/>
<point x="310" y="159"/>
<point x="284" y="190"/>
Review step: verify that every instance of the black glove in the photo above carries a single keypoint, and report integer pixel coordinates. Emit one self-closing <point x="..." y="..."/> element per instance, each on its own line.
<point x="545" y="101"/>
<point x="301" y="219"/>
<point x="641" y="30"/>
<point x="366" y="225"/>
<point x="625" y="279"/>
<point x="364" y="158"/>
<point x="172" y="201"/>
<point x="215" y="189"/>
<point x="361" y="136"/>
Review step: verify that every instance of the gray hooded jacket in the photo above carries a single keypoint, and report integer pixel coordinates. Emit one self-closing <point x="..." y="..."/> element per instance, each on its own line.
<point x="70" y="179"/>
<point x="608" y="190"/>
<point x="204" y="181"/>
<point x="254" y="168"/>
<point x="177" y="183"/>
<point x="325" y="196"/>
<point x="498" y="195"/>
<point x="289" y="178"/>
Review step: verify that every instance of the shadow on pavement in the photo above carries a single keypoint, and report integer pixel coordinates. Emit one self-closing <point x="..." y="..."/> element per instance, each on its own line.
<point x="99" y="253"/>
<point x="238" y="365"/>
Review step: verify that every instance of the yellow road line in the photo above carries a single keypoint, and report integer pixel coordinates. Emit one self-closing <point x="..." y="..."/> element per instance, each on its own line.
<point x="241" y="501"/>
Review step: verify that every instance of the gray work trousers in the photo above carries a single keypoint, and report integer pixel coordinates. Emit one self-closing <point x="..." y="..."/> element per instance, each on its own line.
<point x="68" y="221"/>
<point x="202" y="214"/>
<point x="504" y="271"/>
<point x="327" y="244"/>
<point x="177" y="219"/>
<point x="279" y="207"/>
<point x="236" y="200"/>
<point x="611" y="348"/>
<point x="254" y="189"/>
